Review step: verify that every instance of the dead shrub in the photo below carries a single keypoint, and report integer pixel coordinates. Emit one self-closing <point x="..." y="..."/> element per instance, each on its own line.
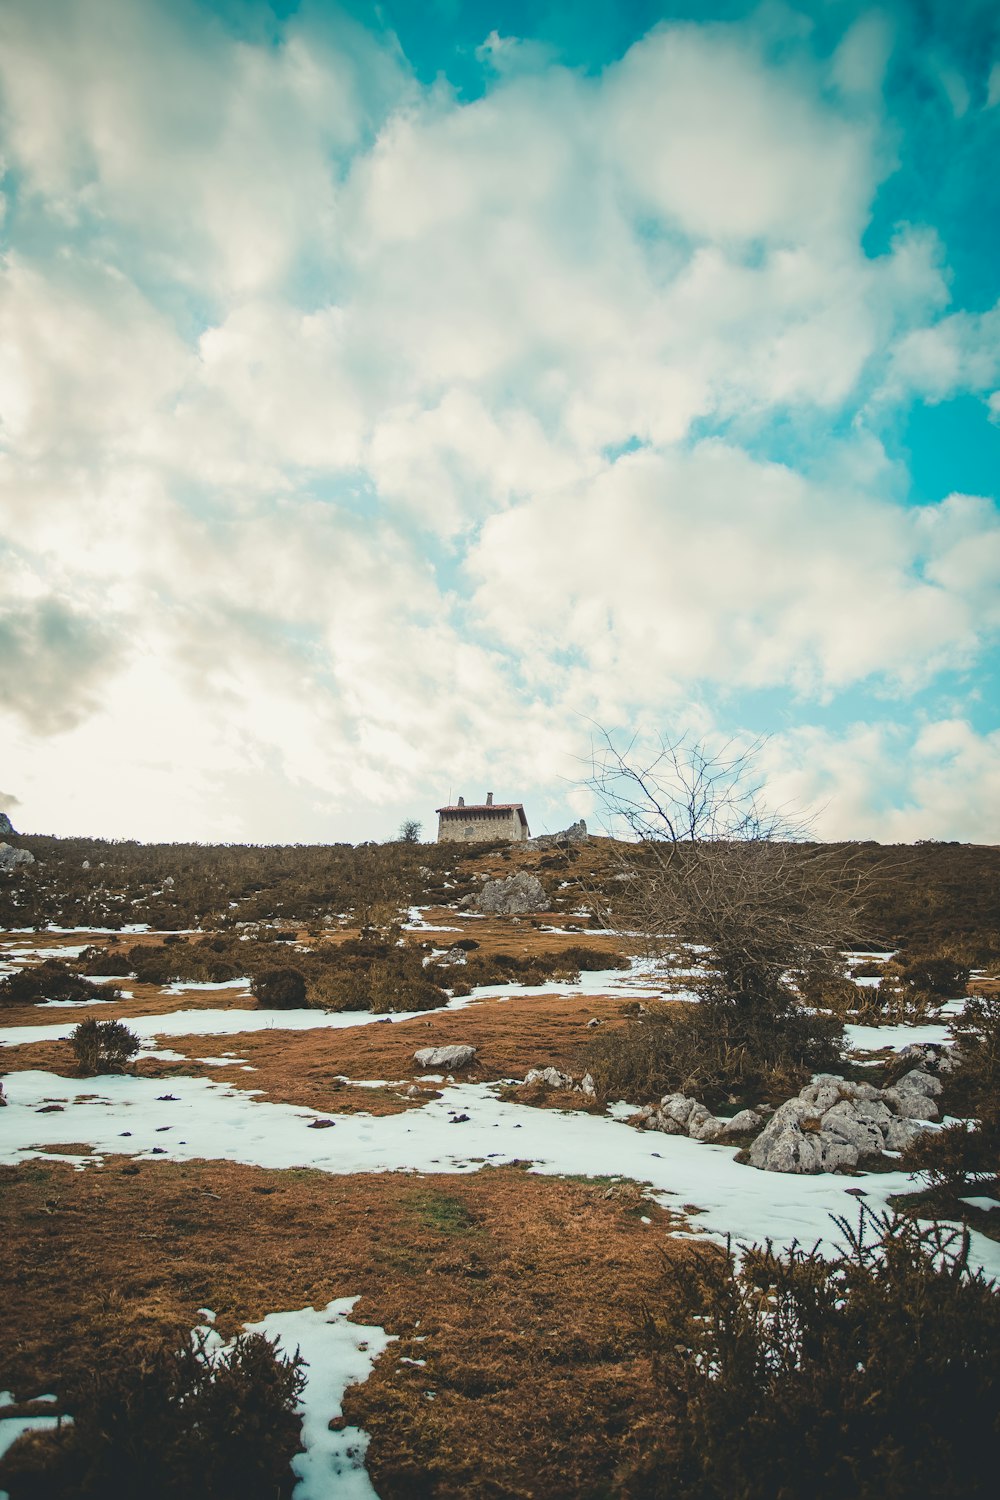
<point x="716" y="1050"/>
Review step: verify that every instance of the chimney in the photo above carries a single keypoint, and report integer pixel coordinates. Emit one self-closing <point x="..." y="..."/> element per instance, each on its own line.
<point x="489" y="799"/>
<point x="461" y="801"/>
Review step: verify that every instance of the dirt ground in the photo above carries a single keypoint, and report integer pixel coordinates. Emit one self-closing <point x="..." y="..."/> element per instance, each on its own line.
<point x="528" y="1321"/>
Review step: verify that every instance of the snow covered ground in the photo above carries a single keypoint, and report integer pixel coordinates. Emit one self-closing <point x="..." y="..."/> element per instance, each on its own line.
<point x="635" y="983"/>
<point x="206" y="1119"/>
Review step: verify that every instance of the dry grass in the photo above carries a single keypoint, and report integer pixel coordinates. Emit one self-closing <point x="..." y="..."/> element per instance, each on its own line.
<point x="528" y="1320"/>
<point x="304" y="1067"/>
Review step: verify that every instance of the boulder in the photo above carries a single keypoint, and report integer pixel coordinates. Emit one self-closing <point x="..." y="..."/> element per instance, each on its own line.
<point x="919" y="1081"/>
<point x="453" y="1057"/>
<point x="786" y="1147"/>
<point x="702" y="1125"/>
<point x="6" y="827"/>
<point x="10" y="858"/>
<point x="516" y="893"/>
<point x="909" y="1105"/>
<point x="588" y="1085"/>
<point x="742" y="1123"/>
<point x="900" y="1134"/>
<point x="551" y="1077"/>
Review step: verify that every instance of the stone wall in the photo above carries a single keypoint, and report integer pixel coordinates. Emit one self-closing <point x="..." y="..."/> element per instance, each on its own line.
<point x="473" y="825"/>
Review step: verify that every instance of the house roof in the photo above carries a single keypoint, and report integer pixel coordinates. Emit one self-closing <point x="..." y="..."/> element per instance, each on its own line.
<point x="484" y="807"/>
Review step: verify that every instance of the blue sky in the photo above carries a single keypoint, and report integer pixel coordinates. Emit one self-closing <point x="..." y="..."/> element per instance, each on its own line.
<point x="389" y="394"/>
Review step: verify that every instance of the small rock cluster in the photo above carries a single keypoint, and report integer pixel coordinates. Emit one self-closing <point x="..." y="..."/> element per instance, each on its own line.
<point x="554" y="1079"/>
<point x="833" y="1123"/>
<point x="676" y="1114"/>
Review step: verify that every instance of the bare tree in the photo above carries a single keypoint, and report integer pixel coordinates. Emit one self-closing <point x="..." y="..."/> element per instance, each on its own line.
<point x="710" y="863"/>
<point x="409" y="831"/>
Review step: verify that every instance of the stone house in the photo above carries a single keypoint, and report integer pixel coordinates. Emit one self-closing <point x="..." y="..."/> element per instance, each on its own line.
<point x="471" y="823"/>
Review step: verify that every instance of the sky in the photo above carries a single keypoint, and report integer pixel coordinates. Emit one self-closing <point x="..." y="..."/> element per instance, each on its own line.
<point x="393" y="397"/>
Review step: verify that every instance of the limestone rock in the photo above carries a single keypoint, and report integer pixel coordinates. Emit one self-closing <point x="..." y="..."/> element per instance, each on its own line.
<point x="901" y="1134"/>
<point x="517" y="893"/>
<point x="551" y="1077"/>
<point x="919" y="1081"/>
<point x="6" y="826"/>
<point x="576" y="833"/>
<point x="742" y="1123"/>
<point x="11" y="858"/>
<point x="444" y="1057"/>
<point x="588" y="1085"/>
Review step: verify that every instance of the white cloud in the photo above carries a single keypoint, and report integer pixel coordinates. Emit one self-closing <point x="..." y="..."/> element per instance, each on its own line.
<point x="280" y="327"/>
<point x="883" y="781"/>
<point x="679" y="568"/>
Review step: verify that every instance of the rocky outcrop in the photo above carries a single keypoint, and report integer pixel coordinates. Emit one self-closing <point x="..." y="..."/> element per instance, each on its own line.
<point x="837" y="1124"/>
<point x="7" y="829"/>
<point x="516" y="893"/>
<point x="677" y="1114"/>
<point x="576" y="833"/>
<point x="11" y="858"/>
<point x="452" y="1058"/>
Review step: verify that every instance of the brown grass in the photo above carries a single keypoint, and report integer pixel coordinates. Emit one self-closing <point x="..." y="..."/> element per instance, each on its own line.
<point x="522" y="1294"/>
<point x="302" y="1067"/>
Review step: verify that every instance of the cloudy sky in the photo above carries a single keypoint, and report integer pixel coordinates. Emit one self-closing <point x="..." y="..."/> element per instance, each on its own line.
<point x="390" y="393"/>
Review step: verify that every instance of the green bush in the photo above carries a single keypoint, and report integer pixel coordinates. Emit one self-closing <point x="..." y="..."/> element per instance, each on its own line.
<point x="168" y="1422"/>
<point x="103" y="1046"/>
<point x="279" y="989"/>
<point x="873" y="1375"/>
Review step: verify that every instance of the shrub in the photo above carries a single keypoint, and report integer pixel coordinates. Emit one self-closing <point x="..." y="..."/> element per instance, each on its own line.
<point x="968" y="1152"/>
<point x="161" y="1422"/>
<point x="935" y="974"/>
<point x="872" y="1375"/>
<point x="51" y="980"/>
<point x="103" y="1046"/>
<point x="718" y="1051"/>
<point x="279" y="989"/>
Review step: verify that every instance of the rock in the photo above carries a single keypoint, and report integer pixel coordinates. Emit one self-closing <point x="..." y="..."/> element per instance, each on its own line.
<point x="576" y="833"/>
<point x="588" y="1085"/>
<point x="678" y="1107"/>
<point x="702" y="1125"/>
<point x="742" y="1123"/>
<point x="594" y="1021"/>
<point x="652" y="1118"/>
<point x="911" y="1105"/>
<point x="10" y="858"/>
<point x="6" y="826"/>
<point x="919" y="1081"/>
<point x="516" y="893"/>
<point x="789" y="1148"/>
<point x="861" y="1125"/>
<point x="444" y="1057"/>
<point x="3" y="1098"/>
<point x="901" y="1134"/>
<point x="551" y="1077"/>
